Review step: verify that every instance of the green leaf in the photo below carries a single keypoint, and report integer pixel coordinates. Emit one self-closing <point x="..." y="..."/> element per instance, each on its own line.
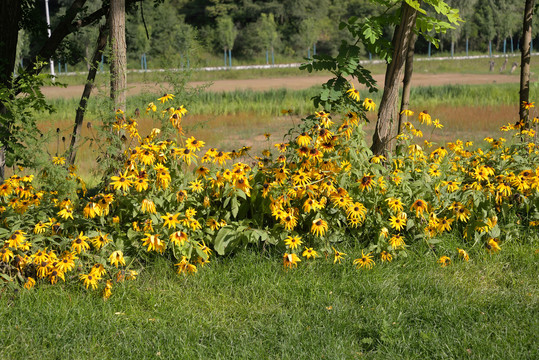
<point x="223" y="239"/>
<point x="131" y="233"/>
<point x="234" y="206"/>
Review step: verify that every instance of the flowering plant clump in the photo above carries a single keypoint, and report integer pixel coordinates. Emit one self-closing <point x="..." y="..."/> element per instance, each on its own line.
<point x="305" y="196"/>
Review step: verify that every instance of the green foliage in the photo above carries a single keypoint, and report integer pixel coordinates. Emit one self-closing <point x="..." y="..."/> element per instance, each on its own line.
<point x="267" y="30"/>
<point x="226" y="32"/>
<point x="19" y="135"/>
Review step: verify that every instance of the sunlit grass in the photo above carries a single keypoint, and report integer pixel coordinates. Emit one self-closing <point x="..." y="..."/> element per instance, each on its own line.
<point x="248" y="306"/>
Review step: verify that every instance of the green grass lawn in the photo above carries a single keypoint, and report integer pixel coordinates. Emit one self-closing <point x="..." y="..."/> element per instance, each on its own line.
<point x="248" y="307"/>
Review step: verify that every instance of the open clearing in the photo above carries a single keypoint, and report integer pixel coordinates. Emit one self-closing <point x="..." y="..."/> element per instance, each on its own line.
<point x="295" y="83"/>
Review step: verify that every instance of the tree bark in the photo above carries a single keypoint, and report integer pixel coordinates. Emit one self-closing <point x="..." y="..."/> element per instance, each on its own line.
<point x="66" y="26"/>
<point x="407" y="81"/>
<point x="11" y="13"/>
<point x="525" y="61"/>
<point x="118" y="66"/>
<point x="388" y="106"/>
<point x="79" y="117"/>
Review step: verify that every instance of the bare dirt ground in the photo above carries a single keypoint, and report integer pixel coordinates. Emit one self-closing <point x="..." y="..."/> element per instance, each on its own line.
<point x="294" y="83"/>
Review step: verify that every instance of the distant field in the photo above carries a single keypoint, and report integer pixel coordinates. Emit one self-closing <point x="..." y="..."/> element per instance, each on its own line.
<point x="471" y="102"/>
<point x="471" y="66"/>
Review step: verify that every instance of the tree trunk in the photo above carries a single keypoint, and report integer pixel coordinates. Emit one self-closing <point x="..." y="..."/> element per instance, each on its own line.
<point x="388" y="106"/>
<point x="407" y="81"/>
<point x="11" y="13"/>
<point x="79" y="117"/>
<point x="525" y="60"/>
<point x="118" y="66"/>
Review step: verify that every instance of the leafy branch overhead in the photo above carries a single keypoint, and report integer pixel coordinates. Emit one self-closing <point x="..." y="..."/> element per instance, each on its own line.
<point x="370" y="33"/>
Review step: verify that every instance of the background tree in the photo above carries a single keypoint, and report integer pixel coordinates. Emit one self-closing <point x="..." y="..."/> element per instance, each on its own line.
<point x="410" y="14"/>
<point x="267" y="33"/>
<point x="525" y="61"/>
<point x="309" y="32"/>
<point x="118" y="62"/>
<point x="483" y="29"/>
<point x="226" y="33"/>
<point x="388" y="105"/>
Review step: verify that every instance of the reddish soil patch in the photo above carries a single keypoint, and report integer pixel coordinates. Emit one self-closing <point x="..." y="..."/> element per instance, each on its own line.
<point x="294" y="83"/>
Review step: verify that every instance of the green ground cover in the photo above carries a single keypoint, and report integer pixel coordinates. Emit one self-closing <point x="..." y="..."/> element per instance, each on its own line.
<point x="247" y="306"/>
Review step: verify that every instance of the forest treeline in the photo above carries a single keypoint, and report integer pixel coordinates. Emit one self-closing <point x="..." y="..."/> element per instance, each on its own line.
<point x="182" y="31"/>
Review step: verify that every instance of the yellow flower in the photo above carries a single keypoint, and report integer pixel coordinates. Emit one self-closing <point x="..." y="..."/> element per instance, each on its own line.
<point x="463" y="254"/>
<point x="353" y="93"/>
<point x="185" y="267"/>
<point x="444" y="224"/>
<point x="165" y="98"/>
<point x="98" y="270"/>
<point x="148" y="206"/>
<point x="319" y="227"/>
<point x="290" y="260"/>
<point x="309" y="253"/>
<point x="396" y="242"/>
<point x="365" y="261"/>
<point x="527" y="105"/>
<point x="304" y="139"/>
<point x="493" y="246"/>
<point x="407" y="112"/>
<point x="55" y="274"/>
<point x="151" y="107"/>
<point x="205" y="249"/>
<point x="16" y="239"/>
<point x="80" y="244"/>
<point x="107" y="291"/>
<point x="398" y="222"/>
<point x="419" y="206"/>
<point x="444" y="261"/>
<point x="154" y="243"/>
<point x="385" y="256"/>
<point x="378" y="159"/>
<point x="58" y="160"/>
<point x="366" y="182"/>
<point x="196" y="186"/>
<point x="178" y="238"/>
<point x="30" y="282"/>
<point x="170" y="220"/>
<point x="368" y="104"/>
<point x="89" y="280"/>
<point x="395" y="204"/>
<point x="424" y="117"/>
<point x="293" y="241"/>
<point x="66" y="213"/>
<point x="121" y="182"/>
<point x="356" y="211"/>
<point x="117" y="258"/>
<point x="338" y="255"/>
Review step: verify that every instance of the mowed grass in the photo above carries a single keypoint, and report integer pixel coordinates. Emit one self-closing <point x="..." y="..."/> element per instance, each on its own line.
<point x="249" y="307"/>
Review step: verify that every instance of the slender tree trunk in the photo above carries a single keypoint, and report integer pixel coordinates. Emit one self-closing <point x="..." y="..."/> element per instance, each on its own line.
<point x="11" y="12"/>
<point x="388" y="106"/>
<point x="79" y="117"/>
<point x="407" y="81"/>
<point x="525" y="60"/>
<point x="118" y="67"/>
